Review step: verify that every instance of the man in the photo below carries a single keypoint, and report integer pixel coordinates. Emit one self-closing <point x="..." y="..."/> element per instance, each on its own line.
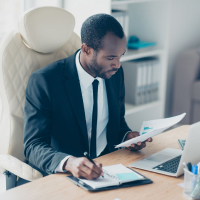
<point x="77" y="104"/>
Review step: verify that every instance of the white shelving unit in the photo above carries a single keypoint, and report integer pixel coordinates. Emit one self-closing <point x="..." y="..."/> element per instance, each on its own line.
<point x="148" y="20"/>
<point x="122" y="2"/>
<point x="135" y="54"/>
<point x="130" y="108"/>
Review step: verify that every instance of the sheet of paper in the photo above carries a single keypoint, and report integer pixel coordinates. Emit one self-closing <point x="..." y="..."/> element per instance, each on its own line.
<point x="152" y="128"/>
<point x="101" y="182"/>
<point x="127" y="176"/>
<point x="116" y="169"/>
<point x="109" y="177"/>
<point x="123" y="173"/>
<point x="181" y="185"/>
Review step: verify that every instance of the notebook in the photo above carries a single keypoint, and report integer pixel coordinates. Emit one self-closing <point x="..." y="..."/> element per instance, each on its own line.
<point x="115" y="176"/>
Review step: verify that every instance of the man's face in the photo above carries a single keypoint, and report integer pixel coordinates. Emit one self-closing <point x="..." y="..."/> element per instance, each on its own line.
<point x="106" y="61"/>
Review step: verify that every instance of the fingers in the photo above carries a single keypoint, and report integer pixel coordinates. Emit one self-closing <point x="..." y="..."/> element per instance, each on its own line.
<point x="136" y="147"/>
<point x="100" y="166"/>
<point x="93" y="167"/>
<point x="131" y="135"/>
<point x="89" y="173"/>
<point x="82" y="167"/>
<point x="132" y="145"/>
<point x="143" y="145"/>
<point x="149" y="140"/>
<point x="139" y="145"/>
<point x="81" y="174"/>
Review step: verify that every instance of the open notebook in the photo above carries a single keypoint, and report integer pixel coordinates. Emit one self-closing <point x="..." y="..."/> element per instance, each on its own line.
<point x="114" y="175"/>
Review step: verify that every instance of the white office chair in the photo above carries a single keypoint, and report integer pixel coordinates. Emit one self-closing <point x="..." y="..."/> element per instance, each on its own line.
<point x="45" y="35"/>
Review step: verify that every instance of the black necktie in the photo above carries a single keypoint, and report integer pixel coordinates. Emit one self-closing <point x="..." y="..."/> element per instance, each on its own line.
<point x="93" y="150"/>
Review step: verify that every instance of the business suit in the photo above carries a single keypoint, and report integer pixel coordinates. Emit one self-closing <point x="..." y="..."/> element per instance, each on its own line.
<point x="55" y="124"/>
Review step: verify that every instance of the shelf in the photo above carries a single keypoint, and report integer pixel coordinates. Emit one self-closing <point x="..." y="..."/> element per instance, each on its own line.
<point x="130" y="1"/>
<point x="134" y="54"/>
<point x="130" y="108"/>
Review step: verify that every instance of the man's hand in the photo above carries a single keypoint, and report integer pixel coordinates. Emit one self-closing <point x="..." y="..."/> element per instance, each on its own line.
<point x="139" y="145"/>
<point x="83" y="168"/>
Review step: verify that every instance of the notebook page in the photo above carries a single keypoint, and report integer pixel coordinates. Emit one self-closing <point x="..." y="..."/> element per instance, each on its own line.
<point x="114" y="175"/>
<point x="101" y="182"/>
<point x="123" y="173"/>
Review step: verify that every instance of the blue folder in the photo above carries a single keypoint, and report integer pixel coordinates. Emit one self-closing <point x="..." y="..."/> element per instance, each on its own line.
<point x="135" y="43"/>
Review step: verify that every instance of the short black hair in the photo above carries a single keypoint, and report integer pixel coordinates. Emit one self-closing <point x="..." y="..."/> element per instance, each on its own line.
<point x="96" y="27"/>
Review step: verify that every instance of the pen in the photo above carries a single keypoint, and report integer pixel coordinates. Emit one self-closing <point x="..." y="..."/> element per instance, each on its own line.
<point x="189" y="165"/>
<point x="196" y="185"/>
<point x="194" y="177"/>
<point x="89" y="158"/>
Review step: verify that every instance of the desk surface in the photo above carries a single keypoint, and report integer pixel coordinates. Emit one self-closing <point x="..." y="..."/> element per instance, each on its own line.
<point x="56" y="186"/>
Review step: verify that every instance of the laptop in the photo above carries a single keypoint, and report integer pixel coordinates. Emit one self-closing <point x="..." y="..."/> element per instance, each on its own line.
<point x="169" y="161"/>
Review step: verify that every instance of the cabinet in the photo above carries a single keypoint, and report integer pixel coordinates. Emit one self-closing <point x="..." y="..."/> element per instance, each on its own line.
<point x="149" y="20"/>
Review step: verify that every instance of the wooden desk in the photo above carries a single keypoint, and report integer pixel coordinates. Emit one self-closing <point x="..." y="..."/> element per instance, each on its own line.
<point x="56" y="186"/>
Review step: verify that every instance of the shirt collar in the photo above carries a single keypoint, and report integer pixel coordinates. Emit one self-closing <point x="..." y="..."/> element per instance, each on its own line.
<point x="85" y="78"/>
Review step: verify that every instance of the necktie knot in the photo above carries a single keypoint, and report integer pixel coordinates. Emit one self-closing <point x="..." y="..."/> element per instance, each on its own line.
<point x="95" y="84"/>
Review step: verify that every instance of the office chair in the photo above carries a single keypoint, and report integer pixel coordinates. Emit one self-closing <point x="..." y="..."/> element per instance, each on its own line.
<point x="45" y="35"/>
<point x="186" y="96"/>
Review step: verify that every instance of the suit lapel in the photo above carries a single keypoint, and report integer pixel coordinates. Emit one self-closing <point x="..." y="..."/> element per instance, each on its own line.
<point x="113" y="108"/>
<point x="73" y="89"/>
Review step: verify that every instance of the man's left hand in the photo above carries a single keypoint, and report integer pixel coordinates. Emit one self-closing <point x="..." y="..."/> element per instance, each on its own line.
<point x="139" y="145"/>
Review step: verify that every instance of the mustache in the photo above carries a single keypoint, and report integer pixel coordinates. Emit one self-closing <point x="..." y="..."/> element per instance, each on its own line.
<point x="113" y="70"/>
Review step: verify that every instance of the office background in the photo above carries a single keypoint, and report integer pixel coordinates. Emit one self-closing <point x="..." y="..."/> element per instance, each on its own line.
<point x="172" y="24"/>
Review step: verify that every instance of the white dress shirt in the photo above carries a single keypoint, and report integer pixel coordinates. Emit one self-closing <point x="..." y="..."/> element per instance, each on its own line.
<point x="103" y="115"/>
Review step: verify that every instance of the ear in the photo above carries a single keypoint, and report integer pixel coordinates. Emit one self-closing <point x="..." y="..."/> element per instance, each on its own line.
<point x="86" y="49"/>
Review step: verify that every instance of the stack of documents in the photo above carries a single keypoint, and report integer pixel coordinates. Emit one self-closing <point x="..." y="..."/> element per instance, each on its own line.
<point x="142" y="80"/>
<point x="152" y="128"/>
<point x="122" y="17"/>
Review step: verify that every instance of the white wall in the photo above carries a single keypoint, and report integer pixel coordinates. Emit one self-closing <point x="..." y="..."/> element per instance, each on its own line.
<point x="184" y="34"/>
<point x="28" y="4"/>
<point x="184" y="31"/>
<point x="82" y="9"/>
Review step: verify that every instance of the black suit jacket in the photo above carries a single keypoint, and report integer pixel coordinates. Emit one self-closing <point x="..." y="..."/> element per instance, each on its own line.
<point x="54" y="117"/>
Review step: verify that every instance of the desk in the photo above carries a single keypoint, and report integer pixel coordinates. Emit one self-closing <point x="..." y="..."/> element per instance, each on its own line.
<point x="56" y="186"/>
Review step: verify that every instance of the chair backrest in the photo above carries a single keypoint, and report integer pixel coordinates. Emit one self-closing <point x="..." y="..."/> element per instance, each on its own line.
<point x="45" y="35"/>
<point x="186" y="73"/>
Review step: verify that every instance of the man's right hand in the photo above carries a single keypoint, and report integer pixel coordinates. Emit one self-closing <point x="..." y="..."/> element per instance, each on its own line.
<point x="83" y="168"/>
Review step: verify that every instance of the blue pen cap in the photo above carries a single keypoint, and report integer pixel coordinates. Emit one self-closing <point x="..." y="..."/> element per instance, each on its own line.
<point x="194" y="169"/>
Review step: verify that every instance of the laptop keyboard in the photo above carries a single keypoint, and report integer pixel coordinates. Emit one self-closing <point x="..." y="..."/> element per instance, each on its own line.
<point x="170" y="165"/>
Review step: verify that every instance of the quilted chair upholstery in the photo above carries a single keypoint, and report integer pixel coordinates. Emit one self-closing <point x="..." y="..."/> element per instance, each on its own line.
<point x="45" y="35"/>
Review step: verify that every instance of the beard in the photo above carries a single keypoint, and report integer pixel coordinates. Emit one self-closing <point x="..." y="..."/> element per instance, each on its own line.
<point x="97" y="69"/>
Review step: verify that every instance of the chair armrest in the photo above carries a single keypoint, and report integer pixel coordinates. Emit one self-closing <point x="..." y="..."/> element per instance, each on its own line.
<point x="2" y="170"/>
<point x="196" y="91"/>
<point x="19" y="168"/>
